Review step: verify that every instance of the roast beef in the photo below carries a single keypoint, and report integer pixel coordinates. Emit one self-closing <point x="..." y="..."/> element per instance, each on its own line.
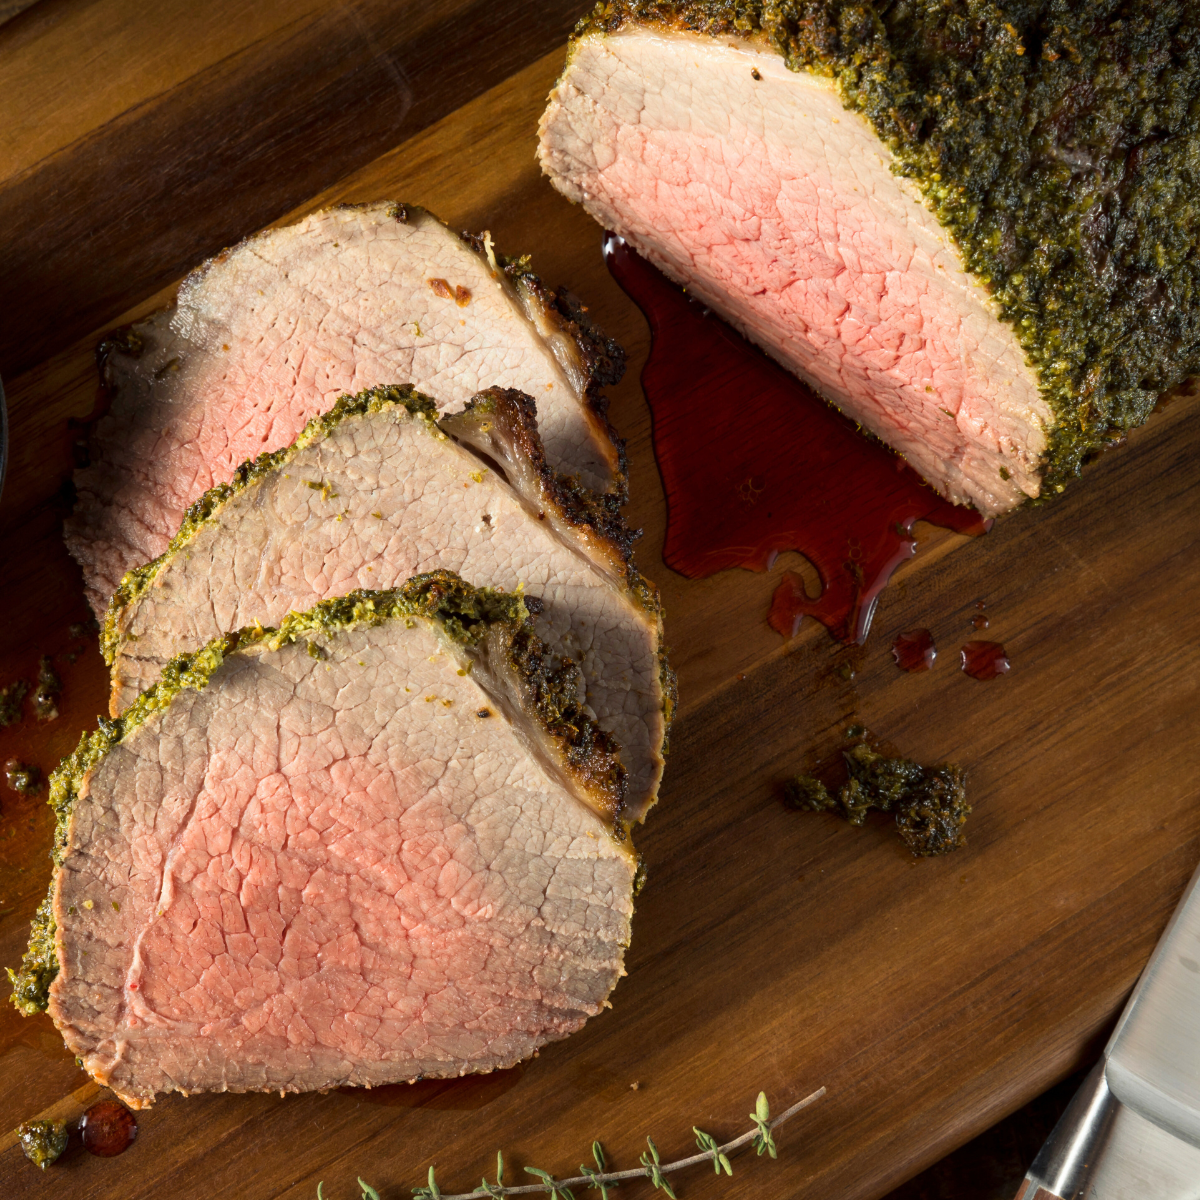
<point x="968" y="225"/>
<point x="270" y="333"/>
<point x="374" y="491"/>
<point x="350" y="851"/>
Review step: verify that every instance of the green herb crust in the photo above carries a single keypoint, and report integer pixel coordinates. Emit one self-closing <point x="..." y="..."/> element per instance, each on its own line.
<point x="1058" y="143"/>
<point x="39" y="965"/>
<point x="930" y="803"/>
<point x="464" y="615"/>
<point x="135" y="582"/>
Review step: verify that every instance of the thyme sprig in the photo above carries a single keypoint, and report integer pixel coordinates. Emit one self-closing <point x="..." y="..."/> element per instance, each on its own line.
<point x="602" y="1179"/>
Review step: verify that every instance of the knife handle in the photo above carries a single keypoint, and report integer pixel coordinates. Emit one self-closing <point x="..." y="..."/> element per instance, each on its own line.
<point x="1102" y="1149"/>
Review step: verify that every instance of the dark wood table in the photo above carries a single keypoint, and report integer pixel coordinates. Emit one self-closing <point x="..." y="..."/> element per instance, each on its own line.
<point x="772" y="950"/>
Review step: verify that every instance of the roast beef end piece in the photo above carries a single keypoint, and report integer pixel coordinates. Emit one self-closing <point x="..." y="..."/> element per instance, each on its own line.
<point x="327" y="855"/>
<point x="752" y="185"/>
<point x="375" y="491"/>
<point x="270" y="333"/>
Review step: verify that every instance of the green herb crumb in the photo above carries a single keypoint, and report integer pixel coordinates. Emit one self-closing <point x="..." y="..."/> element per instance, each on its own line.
<point x="10" y="702"/>
<point x="22" y="777"/>
<point x="47" y="692"/>
<point x="42" y="1141"/>
<point x="326" y="489"/>
<point x="930" y="803"/>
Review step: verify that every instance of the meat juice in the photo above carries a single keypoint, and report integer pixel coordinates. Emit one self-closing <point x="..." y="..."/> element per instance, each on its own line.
<point x="108" y="1128"/>
<point x="754" y="463"/>
<point x="984" y="660"/>
<point x="914" y="650"/>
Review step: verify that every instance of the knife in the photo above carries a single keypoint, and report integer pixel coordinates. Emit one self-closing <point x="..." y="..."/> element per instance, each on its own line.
<point x="1132" y="1131"/>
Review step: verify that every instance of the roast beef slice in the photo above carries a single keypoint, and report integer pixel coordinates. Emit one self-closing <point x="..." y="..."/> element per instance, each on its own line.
<point x="347" y="852"/>
<point x="270" y="333"/>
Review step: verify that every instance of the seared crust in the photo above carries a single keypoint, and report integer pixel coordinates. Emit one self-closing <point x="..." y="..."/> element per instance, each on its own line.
<point x="502" y="423"/>
<point x="599" y="359"/>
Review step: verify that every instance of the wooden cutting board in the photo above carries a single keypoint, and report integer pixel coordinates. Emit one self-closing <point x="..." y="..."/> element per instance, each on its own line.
<point x="772" y="950"/>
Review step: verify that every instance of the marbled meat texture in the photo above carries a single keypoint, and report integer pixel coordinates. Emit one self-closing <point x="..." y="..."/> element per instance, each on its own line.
<point x="270" y="333"/>
<point x="337" y="863"/>
<point x="776" y="205"/>
<point x="374" y="492"/>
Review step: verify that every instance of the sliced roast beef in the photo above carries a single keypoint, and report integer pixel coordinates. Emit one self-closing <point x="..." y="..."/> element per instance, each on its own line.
<point x="374" y="491"/>
<point x="350" y="851"/>
<point x="978" y="253"/>
<point x="270" y="333"/>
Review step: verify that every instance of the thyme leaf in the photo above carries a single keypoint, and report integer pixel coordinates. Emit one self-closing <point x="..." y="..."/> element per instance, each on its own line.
<point x="761" y="1117"/>
<point x="653" y="1167"/>
<point x="555" y="1188"/>
<point x="594" y="1177"/>
<point x="708" y="1144"/>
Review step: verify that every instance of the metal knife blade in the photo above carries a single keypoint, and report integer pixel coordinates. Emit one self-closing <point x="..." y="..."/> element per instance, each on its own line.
<point x="1132" y="1132"/>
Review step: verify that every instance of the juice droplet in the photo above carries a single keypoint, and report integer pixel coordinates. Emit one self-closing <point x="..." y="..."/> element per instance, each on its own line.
<point x="914" y="650"/>
<point x="984" y="660"/>
<point x="979" y="621"/>
<point x="108" y="1128"/>
<point x="753" y="463"/>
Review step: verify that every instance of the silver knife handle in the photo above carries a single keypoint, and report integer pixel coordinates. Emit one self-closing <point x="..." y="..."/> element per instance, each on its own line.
<point x="1102" y="1149"/>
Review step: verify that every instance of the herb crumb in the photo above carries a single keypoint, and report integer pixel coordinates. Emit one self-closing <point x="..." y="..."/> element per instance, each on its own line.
<point x="10" y="702"/>
<point x="22" y="777"/>
<point x="42" y="1141"/>
<point x="49" y="688"/>
<point x="930" y="803"/>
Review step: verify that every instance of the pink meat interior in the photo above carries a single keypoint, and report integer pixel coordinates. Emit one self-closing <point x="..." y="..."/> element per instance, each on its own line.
<point x="756" y="188"/>
<point x="327" y="870"/>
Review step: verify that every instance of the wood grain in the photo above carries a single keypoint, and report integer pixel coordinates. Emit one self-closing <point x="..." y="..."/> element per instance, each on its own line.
<point x="772" y="949"/>
<point x="10" y="8"/>
<point x="192" y="167"/>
